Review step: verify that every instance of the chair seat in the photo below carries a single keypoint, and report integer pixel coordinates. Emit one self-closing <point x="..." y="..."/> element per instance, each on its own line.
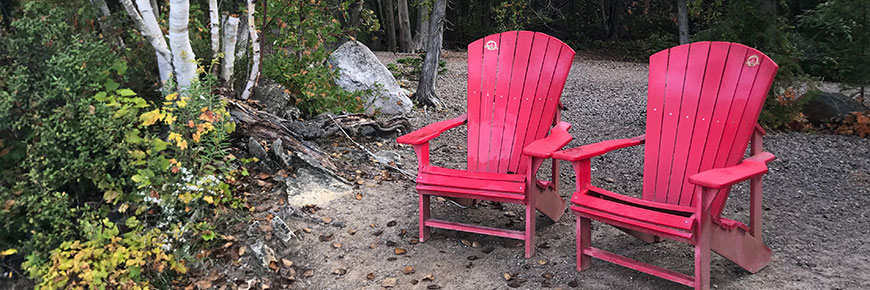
<point x="637" y="214"/>
<point x="479" y="185"/>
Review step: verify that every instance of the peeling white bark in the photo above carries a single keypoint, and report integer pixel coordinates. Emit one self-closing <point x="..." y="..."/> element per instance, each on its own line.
<point x="230" y="36"/>
<point x="255" y="51"/>
<point x="242" y="43"/>
<point x="214" y="22"/>
<point x="151" y="31"/>
<point x="156" y="9"/>
<point x="183" y="58"/>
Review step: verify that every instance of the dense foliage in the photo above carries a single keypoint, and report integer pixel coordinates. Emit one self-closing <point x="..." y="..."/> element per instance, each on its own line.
<point x="100" y="186"/>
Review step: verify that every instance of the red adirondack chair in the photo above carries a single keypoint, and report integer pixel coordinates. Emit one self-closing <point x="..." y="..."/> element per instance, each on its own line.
<point x="703" y="104"/>
<point x="515" y="80"/>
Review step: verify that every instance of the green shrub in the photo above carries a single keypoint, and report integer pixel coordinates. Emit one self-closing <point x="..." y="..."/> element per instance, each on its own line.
<point x="302" y="44"/>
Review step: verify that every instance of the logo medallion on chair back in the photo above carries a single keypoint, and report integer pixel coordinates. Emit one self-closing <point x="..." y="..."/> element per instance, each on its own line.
<point x="515" y="80"/>
<point x="703" y="103"/>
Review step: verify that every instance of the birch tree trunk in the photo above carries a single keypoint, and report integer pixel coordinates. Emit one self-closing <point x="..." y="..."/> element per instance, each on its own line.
<point x="215" y="23"/>
<point x="183" y="58"/>
<point x="426" y="88"/>
<point x="404" y="27"/>
<point x="255" y="48"/>
<point x="683" y="21"/>
<point x="390" y="25"/>
<point x="422" y="36"/>
<point x="156" y="9"/>
<point x="230" y="35"/>
<point x="105" y="13"/>
<point x="147" y="25"/>
<point x="242" y="42"/>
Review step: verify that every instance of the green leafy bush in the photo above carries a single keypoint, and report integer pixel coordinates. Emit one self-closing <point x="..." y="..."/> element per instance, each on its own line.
<point x="302" y="44"/>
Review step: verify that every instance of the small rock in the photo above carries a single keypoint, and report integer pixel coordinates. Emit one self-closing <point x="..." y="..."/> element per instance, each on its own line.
<point x="408" y="270"/>
<point x="543" y="262"/>
<point x="256" y="149"/>
<point x="326" y="238"/>
<point x="339" y="271"/>
<point x="413" y="241"/>
<point x="573" y="284"/>
<point x="488" y="250"/>
<point x="370" y="276"/>
<point x="388" y="283"/>
<point x="391" y="223"/>
<point x="433" y="286"/>
<point x="547" y="275"/>
<point x="414" y="281"/>
<point x="377" y="233"/>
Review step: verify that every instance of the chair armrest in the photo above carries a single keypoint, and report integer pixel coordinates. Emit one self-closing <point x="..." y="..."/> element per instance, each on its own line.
<point x="597" y="149"/>
<point x="753" y="166"/>
<point x="425" y="134"/>
<point x="558" y="138"/>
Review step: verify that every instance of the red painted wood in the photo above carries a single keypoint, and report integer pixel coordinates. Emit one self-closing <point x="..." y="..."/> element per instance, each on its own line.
<point x="474" y="175"/>
<point x="636" y="213"/>
<point x="741" y="247"/>
<point x="507" y="48"/>
<point x="431" y="131"/>
<point x="551" y="56"/>
<point x="620" y="221"/>
<point x="642" y="203"/>
<point x="512" y="112"/>
<point x="584" y="242"/>
<point x="487" y="97"/>
<point x="536" y="61"/>
<point x="641" y="266"/>
<point x="475" y="229"/>
<point x="557" y="83"/>
<point x="458" y="192"/>
<point x="471" y="183"/>
<point x="424" y="216"/>
<point x="475" y="68"/>
<point x="718" y="54"/>
<point x="531" y="199"/>
<point x="544" y="147"/>
<point x="697" y="64"/>
<point x="723" y="98"/>
<point x="727" y="176"/>
<point x="658" y="74"/>
<point x="677" y="61"/>
<point x="597" y="149"/>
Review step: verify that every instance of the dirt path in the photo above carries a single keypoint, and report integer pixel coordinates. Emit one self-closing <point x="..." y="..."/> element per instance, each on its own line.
<point x="815" y="218"/>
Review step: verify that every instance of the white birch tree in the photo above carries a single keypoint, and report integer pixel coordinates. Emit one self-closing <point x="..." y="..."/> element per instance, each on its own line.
<point x="255" y="51"/>
<point x="183" y="58"/>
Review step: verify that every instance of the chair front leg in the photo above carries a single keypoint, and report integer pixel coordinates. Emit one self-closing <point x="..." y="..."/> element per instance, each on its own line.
<point x="424" y="216"/>
<point x="584" y="241"/>
<point x="531" y="196"/>
<point x="703" y="237"/>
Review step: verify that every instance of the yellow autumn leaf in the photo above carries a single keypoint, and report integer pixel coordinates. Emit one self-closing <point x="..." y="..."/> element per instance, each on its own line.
<point x="171" y="97"/>
<point x="149" y="118"/>
<point x="182" y="144"/>
<point x="182" y="102"/>
<point x="208" y="199"/>
<point x="8" y="252"/>
<point x="174" y="137"/>
<point x="169" y="119"/>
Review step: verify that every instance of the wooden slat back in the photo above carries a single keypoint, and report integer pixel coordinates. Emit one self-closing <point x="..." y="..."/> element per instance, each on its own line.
<point x="515" y="80"/>
<point x="704" y="101"/>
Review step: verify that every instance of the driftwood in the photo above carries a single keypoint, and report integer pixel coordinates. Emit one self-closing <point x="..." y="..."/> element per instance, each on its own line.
<point x="264" y="126"/>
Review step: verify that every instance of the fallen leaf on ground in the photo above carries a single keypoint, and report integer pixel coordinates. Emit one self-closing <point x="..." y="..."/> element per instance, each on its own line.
<point x="339" y="271"/>
<point x="287" y="263"/>
<point x="413" y="241"/>
<point x="307" y="230"/>
<point x="429" y="277"/>
<point x="308" y="273"/>
<point x="326" y="238"/>
<point x="466" y="242"/>
<point x="326" y="219"/>
<point x="370" y="276"/>
<point x="507" y="276"/>
<point x="408" y="270"/>
<point x="242" y="250"/>
<point x="543" y="262"/>
<point x="358" y="196"/>
<point x="351" y="232"/>
<point x="400" y="251"/>
<point x="336" y="245"/>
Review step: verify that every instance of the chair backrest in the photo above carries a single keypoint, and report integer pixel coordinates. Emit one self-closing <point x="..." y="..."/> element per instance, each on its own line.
<point x="515" y="80"/>
<point x="703" y="104"/>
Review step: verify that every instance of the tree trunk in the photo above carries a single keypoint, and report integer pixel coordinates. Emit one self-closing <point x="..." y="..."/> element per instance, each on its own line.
<point x="230" y="36"/>
<point x="422" y="36"/>
<point x="404" y="27"/>
<point x="242" y="42"/>
<point x="149" y="28"/>
<point x="390" y="25"/>
<point x="683" y="21"/>
<point x="355" y="17"/>
<point x="426" y="88"/>
<point x="183" y="58"/>
<point x="156" y="10"/>
<point x="215" y="23"/>
<point x="104" y="15"/>
<point x="255" y="46"/>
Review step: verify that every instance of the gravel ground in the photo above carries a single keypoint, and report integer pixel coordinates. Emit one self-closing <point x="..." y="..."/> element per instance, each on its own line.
<point x="814" y="217"/>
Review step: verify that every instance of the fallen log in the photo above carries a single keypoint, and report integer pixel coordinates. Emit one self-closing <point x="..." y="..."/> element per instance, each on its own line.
<point x="265" y="126"/>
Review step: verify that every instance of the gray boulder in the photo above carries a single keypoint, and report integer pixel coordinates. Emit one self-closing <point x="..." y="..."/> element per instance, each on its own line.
<point x="359" y="69"/>
<point x="274" y="99"/>
<point x="827" y="105"/>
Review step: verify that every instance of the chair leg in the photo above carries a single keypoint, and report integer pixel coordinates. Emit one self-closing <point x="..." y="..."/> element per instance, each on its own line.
<point x="424" y="215"/>
<point x="584" y="241"/>
<point x="530" y="229"/>
<point x="702" y="256"/>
